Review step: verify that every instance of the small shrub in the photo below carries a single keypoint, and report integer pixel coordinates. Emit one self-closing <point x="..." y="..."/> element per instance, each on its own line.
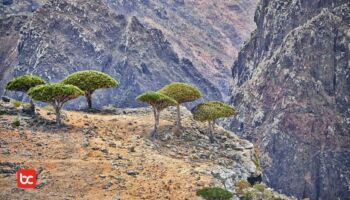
<point x="16" y="104"/>
<point x="214" y="193"/>
<point x="267" y="195"/>
<point x="16" y="122"/>
<point x="241" y="185"/>
<point x="260" y="186"/>
<point x="248" y="195"/>
<point x="3" y="112"/>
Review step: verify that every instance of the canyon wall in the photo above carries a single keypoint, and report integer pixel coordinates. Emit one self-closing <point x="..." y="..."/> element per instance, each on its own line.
<point x="292" y="91"/>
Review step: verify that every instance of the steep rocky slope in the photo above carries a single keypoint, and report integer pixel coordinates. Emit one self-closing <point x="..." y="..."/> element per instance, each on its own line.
<point x="192" y="41"/>
<point x="110" y="156"/>
<point x="9" y="35"/>
<point x="209" y="32"/>
<point x="13" y="15"/>
<point x="292" y="90"/>
<point x="66" y="36"/>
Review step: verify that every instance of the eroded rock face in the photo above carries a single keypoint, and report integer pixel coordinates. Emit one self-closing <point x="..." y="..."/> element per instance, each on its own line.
<point x="66" y="36"/>
<point x="209" y="32"/>
<point x="192" y="41"/>
<point x="9" y="35"/>
<point x="292" y="90"/>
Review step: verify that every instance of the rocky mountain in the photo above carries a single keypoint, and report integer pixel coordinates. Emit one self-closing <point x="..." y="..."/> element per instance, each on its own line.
<point x="144" y="44"/>
<point x="109" y="155"/>
<point x="66" y="36"/>
<point x="292" y="91"/>
<point x="209" y="32"/>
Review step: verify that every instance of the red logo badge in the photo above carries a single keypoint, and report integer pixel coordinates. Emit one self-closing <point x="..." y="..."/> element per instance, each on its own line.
<point x="26" y="178"/>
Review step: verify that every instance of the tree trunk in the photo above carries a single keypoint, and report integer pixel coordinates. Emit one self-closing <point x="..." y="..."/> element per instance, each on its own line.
<point x="213" y="125"/>
<point x="178" y="119"/>
<point x="156" y="123"/>
<point x="211" y="136"/>
<point x="32" y="107"/>
<point x="88" y="96"/>
<point x="58" y="114"/>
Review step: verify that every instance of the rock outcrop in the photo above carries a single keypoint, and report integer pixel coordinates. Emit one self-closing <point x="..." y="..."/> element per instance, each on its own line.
<point x="292" y="90"/>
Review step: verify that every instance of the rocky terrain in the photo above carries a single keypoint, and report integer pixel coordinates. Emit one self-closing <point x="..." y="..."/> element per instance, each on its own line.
<point x="290" y="86"/>
<point x="66" y="36"/>
<point x="144" y="44"/>
<point x="109" y="156"/>
<point x="210" y="33"/>
<point x="292" y="90"/>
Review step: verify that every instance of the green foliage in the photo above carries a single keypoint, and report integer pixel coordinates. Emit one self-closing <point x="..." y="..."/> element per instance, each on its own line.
<point x="248" y="195"/>
<point x="181" y="92"/>
<point x="260" y="186"/>
<point x="158" y="100"/>
<point x="214" y="193"/>
<point x="16" y="122"/>
<point x="16" y="104"/>
<point x="24" y="83"/>
<point x="242" y="185"/>
<point x="3" y="112"/>
<point x="269" y="195"/>
<point x="212" y="110"/>
<point x="54" y="92"/>
<point x="90" y="80"/>
<point x="259" y="191"/>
